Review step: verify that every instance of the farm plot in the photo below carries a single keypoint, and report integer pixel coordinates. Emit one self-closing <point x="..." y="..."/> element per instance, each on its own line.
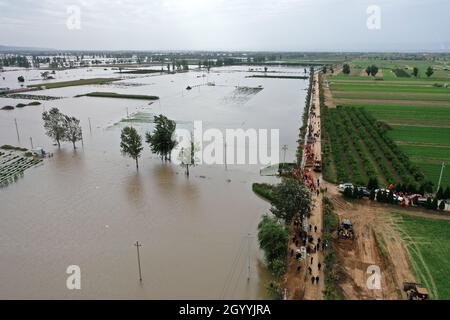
<point x="436" y="116"/>
<point x="359" y="149"/>
<point x="417" y="111"/>
<point x="428" y="245"/>
<point x="427" y="148"/>
<point x="13" y="165"/>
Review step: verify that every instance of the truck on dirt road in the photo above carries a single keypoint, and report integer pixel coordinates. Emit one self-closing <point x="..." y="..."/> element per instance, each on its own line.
<point x="415" y="291"/>
<point x="345" y="230"/>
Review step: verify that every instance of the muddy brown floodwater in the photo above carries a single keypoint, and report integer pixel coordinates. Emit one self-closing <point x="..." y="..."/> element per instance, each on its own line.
<point x="89" y="206"/>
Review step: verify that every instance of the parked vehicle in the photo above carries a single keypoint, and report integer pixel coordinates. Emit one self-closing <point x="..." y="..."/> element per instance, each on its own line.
<point x="341" y="188"/>
<point x="415" y="291"/>
<point x="364" y="191"/>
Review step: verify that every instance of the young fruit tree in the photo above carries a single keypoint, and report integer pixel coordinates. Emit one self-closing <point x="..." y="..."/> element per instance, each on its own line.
<point x="131" y="144"/>
<point x="54" y="125"/>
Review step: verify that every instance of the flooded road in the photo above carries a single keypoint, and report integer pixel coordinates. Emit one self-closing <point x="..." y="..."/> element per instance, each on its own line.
<point x="89" y="206"/>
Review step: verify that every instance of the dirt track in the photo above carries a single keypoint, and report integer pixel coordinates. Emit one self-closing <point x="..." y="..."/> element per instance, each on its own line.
<point x="378" y="243"/>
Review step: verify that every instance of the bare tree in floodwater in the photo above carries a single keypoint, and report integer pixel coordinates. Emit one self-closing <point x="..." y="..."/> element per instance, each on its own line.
<point x="187" y="156"/>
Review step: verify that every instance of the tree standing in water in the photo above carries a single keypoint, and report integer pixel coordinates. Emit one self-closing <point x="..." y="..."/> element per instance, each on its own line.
<point x="131" y="144"/>
<point x="73" y="132"/>
<point x="162" y="140"/>
<point x="54" y="125"/>
<point x="187" y="156"/>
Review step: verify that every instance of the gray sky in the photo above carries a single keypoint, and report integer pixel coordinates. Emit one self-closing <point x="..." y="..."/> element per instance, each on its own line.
<point x="278" y="25"/>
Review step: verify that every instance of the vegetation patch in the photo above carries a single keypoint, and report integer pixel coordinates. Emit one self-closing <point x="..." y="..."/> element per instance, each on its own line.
<point x="264" y="190"/>
<point x="119" y="96"/>
<point x="141" y="71"/>
<point x="330" y="223"/>
<point x="31" y="97"/>
<point x="81" y="82"/>
<point x="278" y="77"/>
<point x="401" y="73"/>
<point x="428" y="244"/>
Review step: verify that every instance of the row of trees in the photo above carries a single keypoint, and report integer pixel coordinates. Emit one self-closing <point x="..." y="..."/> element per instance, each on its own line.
<point x="61" y="127"/>
<point x="162" y="141"/>
<point x="373" y="70"/>
<point x="290" y="200"/>
<point x="15" y="61"/>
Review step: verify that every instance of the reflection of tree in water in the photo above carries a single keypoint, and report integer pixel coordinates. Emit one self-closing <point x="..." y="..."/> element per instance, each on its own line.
<point x="135" y="188"/>
<point x="173" y="185"/>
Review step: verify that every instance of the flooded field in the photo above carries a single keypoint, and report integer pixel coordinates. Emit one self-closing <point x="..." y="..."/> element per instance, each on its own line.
<point x="89" y="206"/>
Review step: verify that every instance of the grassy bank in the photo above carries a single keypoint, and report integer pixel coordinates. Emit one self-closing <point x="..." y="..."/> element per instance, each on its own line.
<point x="264" y="190"/>
<point x="119" y="96"/>
<point x="330" y="222"/>
<point x="304" y="120"/>
<point x="81" y="82"/>
<point x="277" y="77"/>
<point x="142" y="71"/>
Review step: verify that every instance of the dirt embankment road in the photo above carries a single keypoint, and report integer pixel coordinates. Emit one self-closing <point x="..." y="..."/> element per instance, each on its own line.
<point x="299" y="284"/>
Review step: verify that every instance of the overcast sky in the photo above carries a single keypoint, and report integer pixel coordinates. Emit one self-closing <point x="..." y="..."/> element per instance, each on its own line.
<point x="278" y="25"/>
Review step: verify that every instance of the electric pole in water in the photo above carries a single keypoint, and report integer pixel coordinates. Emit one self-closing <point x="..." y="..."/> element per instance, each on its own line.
<point x="225" y="154"/>
<point x="31" y="141"/>
<point x="248" y="256"/>
<point x="440" y="176"/>
<point x="139" y="259"/>
<point x="17" y="129"/>
<point x="284" y="148"/>
<point x="90" y="128"/>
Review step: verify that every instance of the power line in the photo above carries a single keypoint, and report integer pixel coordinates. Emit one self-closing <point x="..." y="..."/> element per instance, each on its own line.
<point x="232" y="269"/>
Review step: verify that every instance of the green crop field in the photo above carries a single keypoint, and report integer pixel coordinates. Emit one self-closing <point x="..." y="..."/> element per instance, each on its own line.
<point x="408" y="114"/>
<point x="427" y="148"/>
<point x="427" y="241"/>
<point x="357" y="87"/>
<point x="414" y="135"/>
<point x="417" y="110"/>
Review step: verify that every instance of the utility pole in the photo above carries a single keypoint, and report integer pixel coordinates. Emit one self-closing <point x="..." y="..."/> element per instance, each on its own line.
<point x="127" y="113"/>
<point x="90" y="128"/>
<point x="284" y="148"/>
<point x="225" y="154"/>
<point x="139" y="259"/>
<point x="31" y="141"/>
<point x="17" y="129"/>
<point x="440" y="176"/>
<point x="248" y="256"/>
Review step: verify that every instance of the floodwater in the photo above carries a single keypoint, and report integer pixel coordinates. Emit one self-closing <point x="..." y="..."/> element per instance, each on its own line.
<point x="89" y="206"/>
